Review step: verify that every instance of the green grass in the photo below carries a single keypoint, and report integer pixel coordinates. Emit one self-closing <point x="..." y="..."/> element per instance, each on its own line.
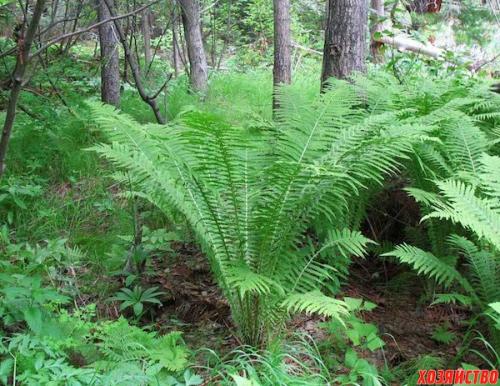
<point x="294" y="363"/>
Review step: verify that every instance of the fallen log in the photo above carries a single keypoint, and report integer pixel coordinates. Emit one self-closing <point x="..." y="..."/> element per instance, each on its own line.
<point x="401" y="42"/>
<point x="405" y="43"/>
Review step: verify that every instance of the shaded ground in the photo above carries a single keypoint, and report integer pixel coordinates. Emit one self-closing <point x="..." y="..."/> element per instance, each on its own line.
<point x="405" y="323"/>
<point x="197" y="308"/>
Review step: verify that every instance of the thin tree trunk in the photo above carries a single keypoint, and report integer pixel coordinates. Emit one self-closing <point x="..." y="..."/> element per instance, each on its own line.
<point x="70" y="41"/>
<point x="198" y="71"/>
<point x="64" y="17"/>
<point x="376" y="26"/>
<point x="181" y="49"/>
<point x="345" y="39"/>
<point x="176" y="59"/>
<point x="110" y="59"/>
<point x="134" y="67"/>
<point x="227" y="33"/>
<point x="175" y="44"/>
<point x="24" y="43"/>
<point x="282" y="70"/>
<point x="146" y="34"/>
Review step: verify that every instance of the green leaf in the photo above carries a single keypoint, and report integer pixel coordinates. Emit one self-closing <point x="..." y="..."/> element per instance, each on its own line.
<point x="495" y="306"/>
<point x="245" y="280"/>
<point x="369" y="306"/>
<point x="6" y="368"/>
<point x="442" y="335"/>
<point x="191" y="379"/>
<point x="130" y="279"/>
<point x="316" y="302"/>
<point x="452" y="298"/>
<point x="351" y="358"/>
<point x="374" y="343"/>
<point x="354" y="304"/>
<point x="34" y="319"/>
<point x="240" y="381"/>
<point x="138" y="308"/>
<point x="354" y="336"/>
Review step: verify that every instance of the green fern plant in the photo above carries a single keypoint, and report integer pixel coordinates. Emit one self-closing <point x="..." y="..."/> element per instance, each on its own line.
<point x="120" y="342"/>
<point x="250" y="196"/>
<point x="107" y="353"/>
<point x="474" y="206"/>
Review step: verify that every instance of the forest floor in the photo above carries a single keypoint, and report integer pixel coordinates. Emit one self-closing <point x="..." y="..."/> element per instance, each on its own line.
<point x="196" y="307"/>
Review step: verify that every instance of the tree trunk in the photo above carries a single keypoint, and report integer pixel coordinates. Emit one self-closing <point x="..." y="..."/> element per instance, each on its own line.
<point x="110" y="59"/>
<point x="376" y="26"/>
<point x="176" y="58"/>
<point x="282" y="71"/>
<point x="198" y="71"/>
<point x="24" y="42"/>
<point x="134" y="67"/>
<point x="146" y="34"/>
<point x="345" y="45"/>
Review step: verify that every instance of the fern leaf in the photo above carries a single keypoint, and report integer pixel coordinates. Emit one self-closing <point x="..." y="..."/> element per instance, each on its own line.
<point x="246" y="281"/>
<point x="347" y="242"/>
<point x="315" y="302"/>
<point x="452" y="298"/>
<point x="426" y="264"/>
<point x="463" y="206"/>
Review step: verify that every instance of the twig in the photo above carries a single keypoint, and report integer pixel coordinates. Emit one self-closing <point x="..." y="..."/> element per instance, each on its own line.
<point x="162" y="87"/>
<point x="475" y="67"/>
<point x="306" y="49"/>
<point x="132" y="61"/>
<point x="87" y="29"/>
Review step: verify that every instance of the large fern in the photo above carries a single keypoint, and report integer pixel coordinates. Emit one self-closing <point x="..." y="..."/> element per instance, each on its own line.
<point x="250" y="196"/>
<point x="474" y="206"/>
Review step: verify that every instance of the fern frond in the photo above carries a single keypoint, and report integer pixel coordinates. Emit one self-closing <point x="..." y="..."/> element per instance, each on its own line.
<point x="465" y="143"/>
<point x="427" y="264"/>
<point x="425" y="197"/>
<point x="452" y="298"/>
<point x="244" y="280"/>
<point x="490" y="175"/>
<point x="463" y="206"/>
<point x="315" y="302"/>
<point x="347" y="242"/>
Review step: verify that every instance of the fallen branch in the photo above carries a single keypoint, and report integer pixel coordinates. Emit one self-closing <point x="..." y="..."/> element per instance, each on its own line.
<point x="295" y="45"/>
<point x="405" y="43"/>
<point x="401" y="42"/>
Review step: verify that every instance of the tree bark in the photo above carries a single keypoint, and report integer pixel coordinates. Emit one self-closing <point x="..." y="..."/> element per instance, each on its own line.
<point x="24" y="43"/>
<point x="282" y="70"/>
<point x="376" y="26"/>
<point x="345" y="45"/>
<point x="176" y="58"/>
<point x="110" y="57"/>
<point x="134" y="67"/>
<point x="146" y="34"/>
<point x="198" y="72"/>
